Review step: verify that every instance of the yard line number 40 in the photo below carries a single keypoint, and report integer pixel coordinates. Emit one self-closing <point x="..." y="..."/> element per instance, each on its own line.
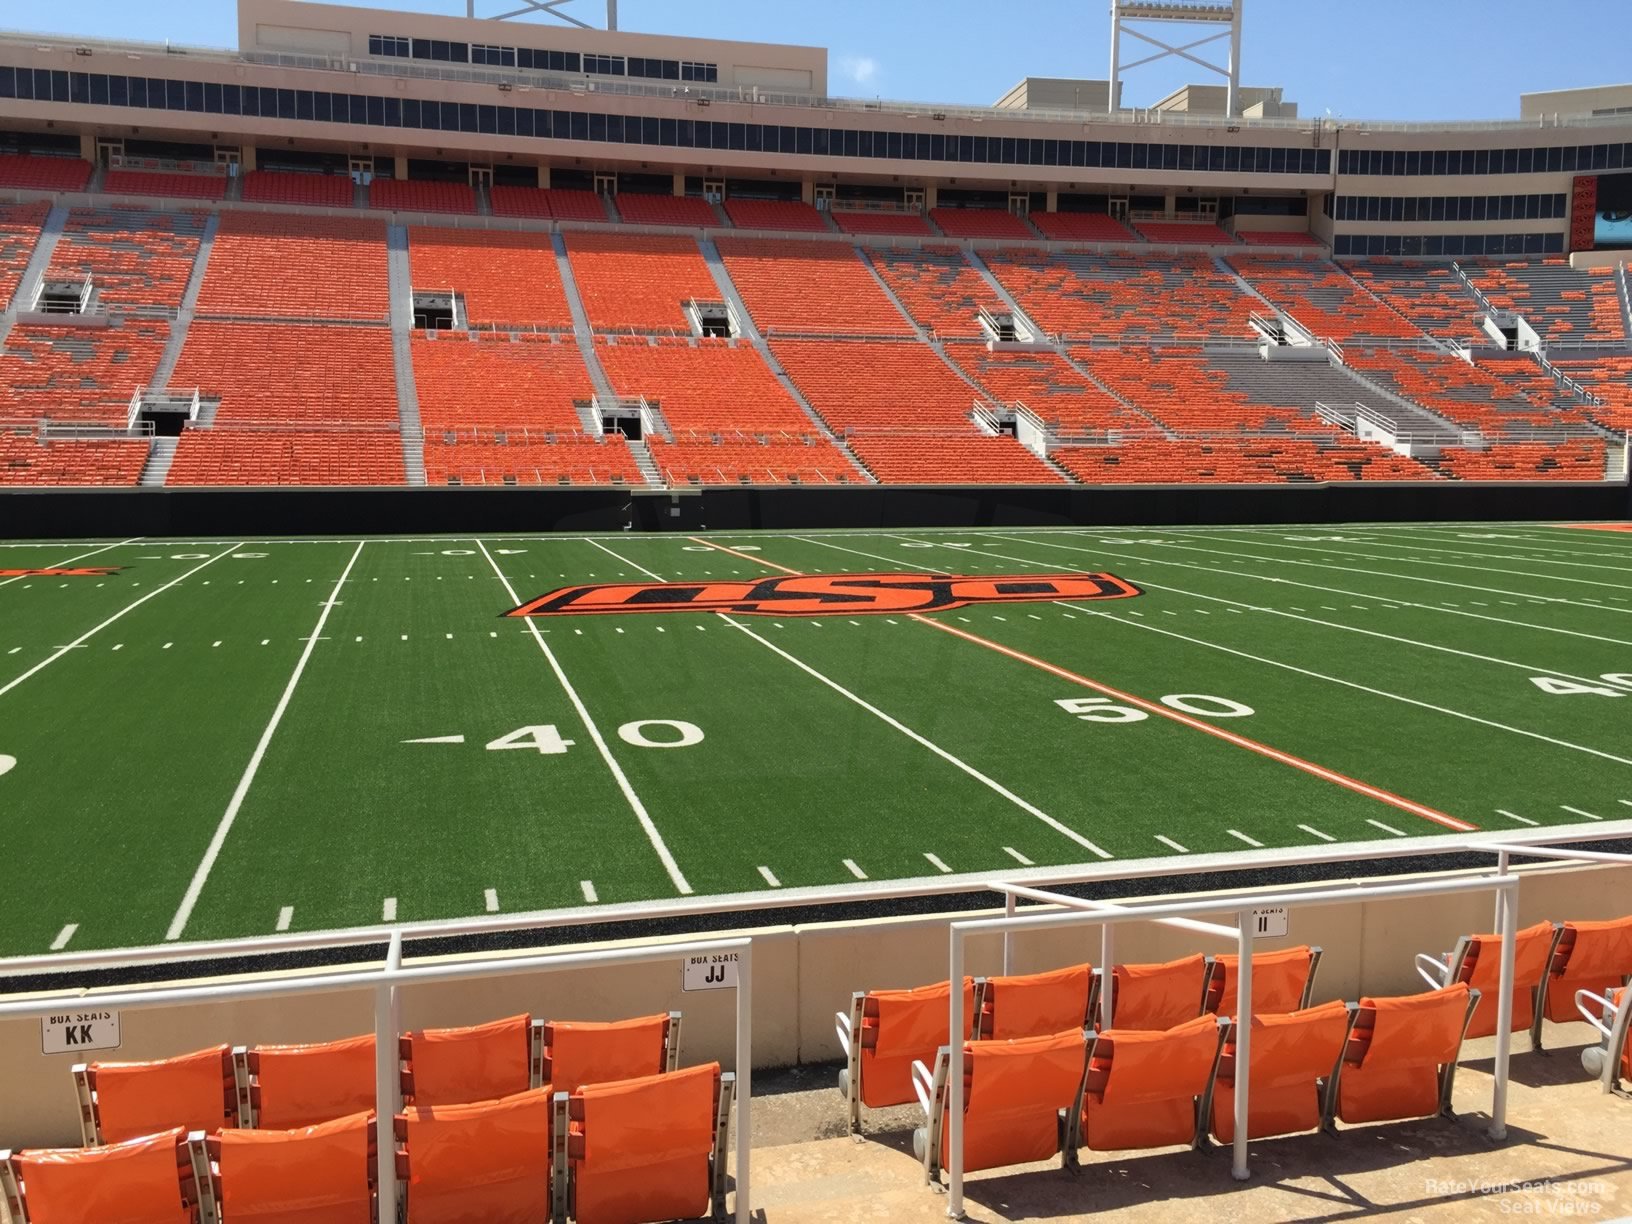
<point x="546" y="740"/>
<point x="1616" y="684"/>
<point x="1104" y="710"/>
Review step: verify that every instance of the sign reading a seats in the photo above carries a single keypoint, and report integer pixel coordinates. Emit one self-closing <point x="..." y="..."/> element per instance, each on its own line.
<point x="71" y="1032"/>
<point x="716" y="972"/>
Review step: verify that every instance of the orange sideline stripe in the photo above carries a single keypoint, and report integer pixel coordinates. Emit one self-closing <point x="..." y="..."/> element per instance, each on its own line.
<point x="1230" y="737"/>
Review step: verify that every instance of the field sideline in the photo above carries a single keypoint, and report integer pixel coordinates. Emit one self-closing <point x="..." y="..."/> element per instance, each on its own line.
<point x="229" y="738"/>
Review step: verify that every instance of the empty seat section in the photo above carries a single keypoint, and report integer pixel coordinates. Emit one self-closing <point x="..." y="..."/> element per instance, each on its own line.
<point x="1047" y="385"/>
<point x="1082" y="227"/>
<point x="639" y="282"/>
<point x="706" y="385"/>
<point x="859" y="222"/>
<point x="1595" y="956"/>
<point x="1292" y="1055"/>
<point x="186" y="186"/>
<point x="322" y="1174"/>
<point x="792" y="215"/>
<point x="1560" y="302"/>
<point x="885" y="1032"/>
<point x="505" y="277"/>
<point x="264" y="265"/>
<point x="1466" y="394"/>
<point x="1185" y="389"/>
<point x="148" y="1180"/>
<point x="31" y="172"/>
<point x="415" y="195"/>
<point x="568" y="459"/>
<point x="1401" y="1056"/>
<point x="1609" y="379"/>
<point x="26" y="460"/>
<point x="281" y="1087"/>
<point x="1186" y="233"/>
<point x="1150" y="997"/>
<point x="939" y="459"/>
<point x="228" y="456"/>
<point x="1144" y="1089"/>
<point x="488" y="1161"/>
<point x="79" y="374"/>
<point x="577" y="1052"/>
<point x="288" y="373"/>
<point x="495" y="381"/>
<point x="125" y="1100"/>
<point x="739" y="460"/>
<point x="1431" y="295"/>
<point x="857" y="385"/>
<point x="1299" y="238"/>
<point x="561" y="203"/>
<point x="1324" y="299"/>
<point x="667" y="210"/>
<point x="1034" y="1004"/>
<point x="813" y="287"/>
<point x="1576" y="459"/>
<point x="1244" y="461"/>
<point x="19" y="233"/>
<point x="981" y="223"/>
<point x="1281" y="981"/>
<point x="134" y="257"/>
<point x="1125" y="296"/>
<point x="316" y="190"/>
<point x="938" y="287"/>
<point x="475" y="1062"/>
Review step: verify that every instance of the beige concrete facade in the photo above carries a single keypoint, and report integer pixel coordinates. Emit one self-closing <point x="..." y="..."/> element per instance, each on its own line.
<point x="1594" y="100"/>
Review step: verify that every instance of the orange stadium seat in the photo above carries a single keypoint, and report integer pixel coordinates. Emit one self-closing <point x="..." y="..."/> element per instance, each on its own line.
<point x="646" y="1151"/>
<point x="1185" y="233"/>
<point x="789" y="215"/>
<point x="229" y="455"/>
<point x="1400" y="1059"/>
<point x="1182" y="389"/>
<point x="920" y="458"/>
<point x="1125" y="296"/>
<point x="1560" y="302"/>
<point x="1047" y="385"/>
<point x="84" y="375"/>
<point x="32" y="172"/>
<point x="704" y="385"/>
<point x="281" y="1087"/>
<point x="884" y="1033"/>
<point x="19" y="233"/>
<point x="321" y="1174"/>
<point x="488" y="1161"/>
<point x="27" y="460"/>
<point x="271" y="265"/>
<point x="505" y="277"/>
<point x="1151" y="997"/>
<point x="1282" y="981"/>
<point x="1324" y="299"/>
<point x="871" y="222"/>
<point x="576" y="1053"/>
<point x="561" y="203"/>
<point x="639" y="282"/>
<point x="726" y="460"/>
<point x="479" y="1062"/>
<point x="1144" y="1088"/>
<point x="1237" y="461"/>
<point x="1609" y="378"/>
<point x="564" y="459"/>
<point x="148" y="183"/>
<point x="495" y="381"/>
<point x="413" y="195"/>
<point x="124" y="1100"/>
<point x="1285" y="238"/>
<point x="819" y="288"/>
<point x="1595" y="956"/>
<point x="1082" y="227"/>
<point x="858" y="386"/>
<point x="1576" y="459"/>
<point x="938" y="287"/>
<point x="134" y="257"/>
<point x="1034" y="1004"/>
<point x="291" y="374"/>
<point x="689" y="211"/>
<point x="981" y="223"/>
<point x="1466" y="394"/>
<point x="310" y="190"/>
<point x="1476" y="962"/>
<point x="1292" y="1057"/>
<point x="148" y="1180"/>
<point x="1431" y="295"/>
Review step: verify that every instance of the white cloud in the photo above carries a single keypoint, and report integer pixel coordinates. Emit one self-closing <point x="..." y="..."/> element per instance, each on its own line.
<point x="862" y="69"/>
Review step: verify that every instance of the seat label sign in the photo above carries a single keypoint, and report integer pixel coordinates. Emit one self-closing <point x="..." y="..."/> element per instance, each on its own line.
<point x="1270" y="923"/>
<point x="716" y="972"/>
<point x="71" y="1032"/>
<point x="825" y="594"/>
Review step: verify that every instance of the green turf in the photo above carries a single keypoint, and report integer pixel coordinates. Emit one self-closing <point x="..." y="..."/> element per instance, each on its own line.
<point x="140" y="709"/>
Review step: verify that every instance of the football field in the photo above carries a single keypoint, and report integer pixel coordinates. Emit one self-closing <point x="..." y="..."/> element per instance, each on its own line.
<point x="231" y="738"/>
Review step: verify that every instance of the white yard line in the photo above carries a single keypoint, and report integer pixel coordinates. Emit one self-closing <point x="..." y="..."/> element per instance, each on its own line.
<point x="178" y="924"/>
<point x="676" y="876"/>
<point x="128" y="608"/>
<point x="63" y="936"/>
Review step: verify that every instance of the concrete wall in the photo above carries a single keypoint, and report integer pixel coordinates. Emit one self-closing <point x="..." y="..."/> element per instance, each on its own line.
<point x="802" y="975"/>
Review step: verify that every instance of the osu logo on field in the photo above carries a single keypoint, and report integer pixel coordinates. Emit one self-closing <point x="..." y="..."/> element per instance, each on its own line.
<point x="825" y="594"/>
<point x="95" y="571"/>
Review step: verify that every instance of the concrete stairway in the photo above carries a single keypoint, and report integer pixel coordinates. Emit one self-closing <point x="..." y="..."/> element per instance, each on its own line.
<point x="402" y="356"/>
<point x="867" y="261"/>
<point x="646" y="464"/>
<point x="580" y="323"/>
<point x="159" y="459"/>
<point x="189" y="304"/>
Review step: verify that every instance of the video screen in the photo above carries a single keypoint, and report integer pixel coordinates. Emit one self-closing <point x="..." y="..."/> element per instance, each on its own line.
<point x="1612" y="229"/>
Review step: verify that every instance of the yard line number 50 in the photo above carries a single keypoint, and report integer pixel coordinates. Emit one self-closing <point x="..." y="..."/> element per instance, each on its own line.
<point x="1104" y="710"/>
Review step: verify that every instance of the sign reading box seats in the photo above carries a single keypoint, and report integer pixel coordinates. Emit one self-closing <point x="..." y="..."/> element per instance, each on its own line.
<point x="712" y="972"/>
<point x="71" y="1032"/>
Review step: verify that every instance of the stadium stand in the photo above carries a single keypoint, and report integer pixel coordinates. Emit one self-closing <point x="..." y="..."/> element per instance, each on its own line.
<point x="85" y="375"/>
<point x="1047" y="385"/>
<point x="487" y="380"/>
<point x="310" y="190"/>
<point x="565" y="459"/>
<point x="1190" y="390"/>
<point x="1576" y="459"/>
<point x="1183" y="233"/>
<point x="33" y="173"/>
<point x="1284" y="238"/>
<point x="1292" y="1056"/>
<point x="1236" y="461"/>
<point x="559" y="203"/>
<point x="291" y="374"/>
<point x="323" y="1174"/>
<point x="639" y="282"/>
<point x="1082" y="227"/>
<point x="1128" y="296"/>
<point x="980" y="223"/>
<point x="27" y="460"/>
<point x="126" y="1100"/>
<point x="19" y="233"/>
<point x="269" y="265"/>
<point x="415" y="195"/>
<point x="789" y="215"/>
<point x="938" y="287"/>
<point x="709" y="384"/>
<point x="1560" y="302"/>
<point x="1324" y="299"/>
<point x="861" y="386"/>
<point x="134" y="257"/>
<point x="809" y="287"/>
<point x="1035" y="1004"/>
<point x="1431" y="295"/>
<point x="149" y="1178"/>
<point x="940" y="459"/>
<point x="228" y="456"/>
<point x="881" y="223"/>
<point x="152" y="183"/>
<point x="690" y="211"/>
<point x="488" y="1161"/>
<point x="505" y="277"/>
<point x="281" y="1087"/>
<point x="1467" y="394"/>
<point x="742" y="460"/>
<point x="1610" y="379"/>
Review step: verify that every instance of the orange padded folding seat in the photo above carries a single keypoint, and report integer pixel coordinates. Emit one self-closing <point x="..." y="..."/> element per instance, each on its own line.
<point x="487" y="1163"/>
<point x="649" y="1149"/>
<point x="1017" y="1099"/>
<point x="576" y="1053"/>
<point x="1158" y="996"/>
<point x="1401" y="1056"/>
<point x="1595" y="956"/>
<point x="124" y="1100"/>
<point x="1034" y="1004"/>
<point x="313" y="1175"/>
<point x="1144" y="1088"/>
<point x="1477" y="962"/>
<point x="885" y="1032"/>
<point x="1281" y="981"/>
<point x="481" y="1062"/>
<point x="1293" y="1055"/>
<point x="284" y="1087"/>
<point x="141" y="1181"/>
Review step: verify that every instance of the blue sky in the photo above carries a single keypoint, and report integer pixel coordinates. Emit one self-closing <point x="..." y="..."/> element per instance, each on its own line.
<point x="1376" y="59"/>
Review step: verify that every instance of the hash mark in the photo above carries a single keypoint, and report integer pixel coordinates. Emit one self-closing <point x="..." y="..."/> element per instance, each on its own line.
<point x="1377" y="824"/>
<point x="854" y="870"/>
<point x="1171" y="844"/>
<point x="589" y="891"/>
<point x="491" y="897"/>
<point x="935" y="862"/>
<point x="1517" y="817"/>
<point x="1249" y="840"/>
<point x="1579" y="812"/>
<point x="769" y="878"/>
<point x="389" y="913"/>
<point x="1018" y="857"/>
<point x="63" y="936"/>
<point x="286" y="915"/>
